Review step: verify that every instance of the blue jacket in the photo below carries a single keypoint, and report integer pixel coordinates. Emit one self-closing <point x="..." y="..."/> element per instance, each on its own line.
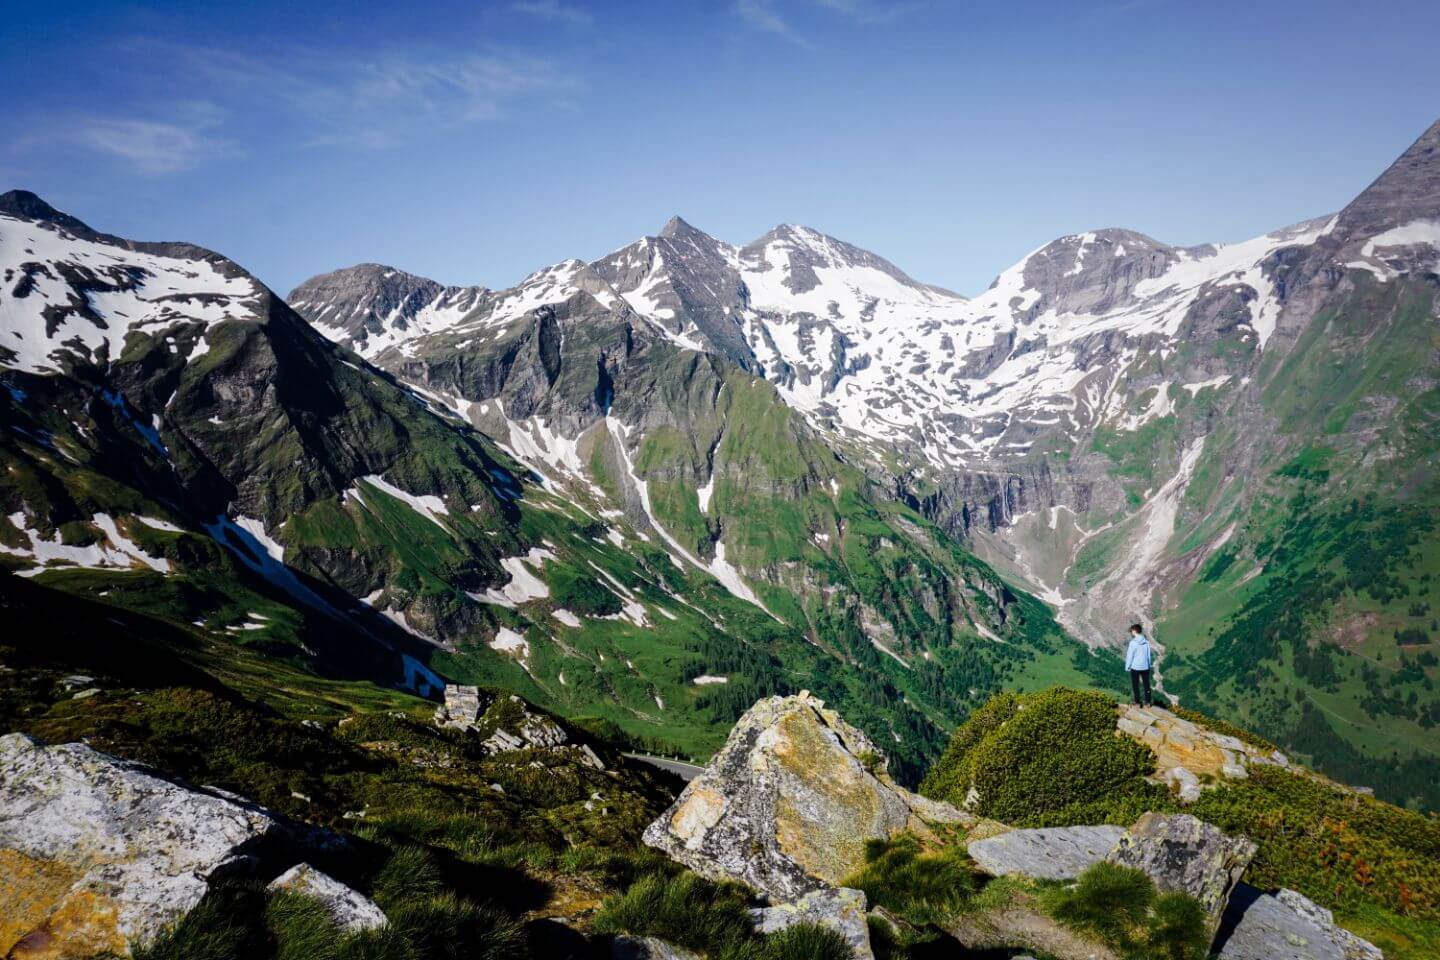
<point x="1137" y="655"/>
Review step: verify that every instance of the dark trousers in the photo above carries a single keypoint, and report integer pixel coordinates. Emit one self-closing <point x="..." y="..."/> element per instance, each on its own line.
<point x="1136" y="676"/>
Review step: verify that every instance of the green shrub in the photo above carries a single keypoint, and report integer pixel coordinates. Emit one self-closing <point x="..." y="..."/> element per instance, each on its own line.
<point x="949" y="778"/>
<point x="922" y="888"/>
<point x="1046" y="758"/>
<point x="1336" y="847"/>
<point x="685" y="910"/>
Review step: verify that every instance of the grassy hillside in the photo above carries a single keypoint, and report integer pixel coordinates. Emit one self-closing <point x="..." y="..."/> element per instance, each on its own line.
<point x="1315" y="621"/>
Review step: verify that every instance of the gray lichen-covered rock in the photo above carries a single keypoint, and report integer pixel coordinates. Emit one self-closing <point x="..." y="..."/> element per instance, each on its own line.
<point x="1051" y="853"/>
<point x="840" y="909"/>
<point x="98" y="854"/>
<point x="1285" y="925"/>
<point x="787" y="804"/>
<point x="351" y="910"/>
<point x="648" y="948"/>
<point x="1180" y="852"/>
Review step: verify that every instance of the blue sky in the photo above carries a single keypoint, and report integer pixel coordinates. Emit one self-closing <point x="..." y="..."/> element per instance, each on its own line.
<point x="476" y="142"/>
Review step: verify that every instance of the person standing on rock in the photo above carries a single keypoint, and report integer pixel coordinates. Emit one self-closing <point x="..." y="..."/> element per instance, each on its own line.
<point x="1138" y="660"/>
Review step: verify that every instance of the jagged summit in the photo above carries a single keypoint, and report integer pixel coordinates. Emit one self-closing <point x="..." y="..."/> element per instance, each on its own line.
<point x="677" y="226"/>
<point x="1408" y="191"/>
<point x="26" y="205"/>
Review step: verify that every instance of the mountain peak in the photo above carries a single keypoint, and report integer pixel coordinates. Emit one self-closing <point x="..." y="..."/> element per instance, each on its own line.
<point x="1408" y="190"/>
<point x="677" y="226"/>
<point x="29" y="206"/>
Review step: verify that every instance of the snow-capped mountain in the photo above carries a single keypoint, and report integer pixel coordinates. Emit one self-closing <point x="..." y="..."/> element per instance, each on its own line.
<point x="1081" y="388"/>
<point x="787" y="449"/>
<point x="616" y="518"/>
<point x="864" y="350"/>
<point x="77" y="298"/>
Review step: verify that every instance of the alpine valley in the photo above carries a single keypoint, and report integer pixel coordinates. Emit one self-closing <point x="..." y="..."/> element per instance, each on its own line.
<point x="644" y="492"/>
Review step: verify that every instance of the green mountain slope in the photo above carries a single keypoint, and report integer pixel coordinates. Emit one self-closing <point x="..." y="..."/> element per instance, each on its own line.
<point x="180" y="443"/>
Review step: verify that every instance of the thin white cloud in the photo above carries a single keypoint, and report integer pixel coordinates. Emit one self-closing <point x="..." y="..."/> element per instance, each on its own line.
<point x="555" y="11"/>
<point x="868" y="11"/>
<point x="172" y="139"/>
<point x="375" y="100"/>
<point x="767" y="16"/>
<point x="763" y="15"/>
<point x="382" y="99"/>
<point x="149" y="146"/>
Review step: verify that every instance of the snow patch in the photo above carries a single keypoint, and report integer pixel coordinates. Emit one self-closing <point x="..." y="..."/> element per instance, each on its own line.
<point x="430" y="507"/>
<point x="702" y="494"/>
<point x="524" y="585"/>
<point x="508" y="641"/>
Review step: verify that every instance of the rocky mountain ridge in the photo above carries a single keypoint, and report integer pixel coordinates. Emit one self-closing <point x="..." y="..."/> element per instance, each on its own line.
<point x="1110" y="424"/>
<point x="624" y="526"/>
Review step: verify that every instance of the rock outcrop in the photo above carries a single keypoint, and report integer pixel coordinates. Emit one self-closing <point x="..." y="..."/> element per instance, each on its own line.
<point x="1188" y="755"/>
<point x="1050" y="853"/>
<point x="99" y="854"/>
<point x="508" y="722"/>
<point x="462" y="707"/>
<point x="351" y="910"/>
<point x="841" y="909"/>
<point x="1180" y="852"/>
<point x="788" y="803"/>
<point x="1285" y="925"/>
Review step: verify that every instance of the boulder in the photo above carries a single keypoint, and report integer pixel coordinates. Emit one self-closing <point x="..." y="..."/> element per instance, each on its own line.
<point x="647" y="948"/>
<point x="841" y="909"/>
<point x="1051" y="853"/>
<point x="1180" y="852"/>
<point x="98" y="854"/>
<point x="351" y="910"/>
<point x="788" y="803"/>
<point x="1285" y="926"/>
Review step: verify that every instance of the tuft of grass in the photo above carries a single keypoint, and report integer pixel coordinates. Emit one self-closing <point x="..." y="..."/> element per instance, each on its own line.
<point x="1120" y="906"/>
<point x="409" y="873"/>
<point x="301" y="928"/>
<point x="1108" y="901"/>
<point x="805" y="941"/>
<point x="1177" y="928"/>
<point x="222" y="926"/>
<point x="447" y="927"/>
<point x="923" y="888"/>
<point x="685" y="910"/>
